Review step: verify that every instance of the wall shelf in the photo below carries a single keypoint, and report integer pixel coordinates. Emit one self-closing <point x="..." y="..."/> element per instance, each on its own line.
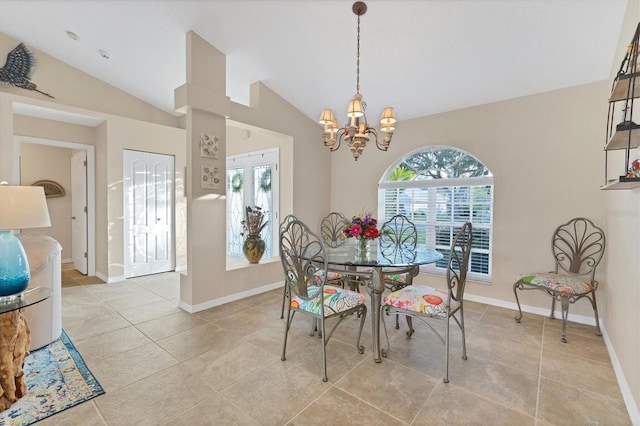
<point x="620" y="89"/>
<point x="624" y="136"/>
<point x="622" y="183"/>
<point x="620" y="139"/>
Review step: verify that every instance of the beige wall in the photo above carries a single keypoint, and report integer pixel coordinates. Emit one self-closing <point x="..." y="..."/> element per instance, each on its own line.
<point x="546" y="157"/>
<point x="124" y="133"/>
<point x="39" y="162"/>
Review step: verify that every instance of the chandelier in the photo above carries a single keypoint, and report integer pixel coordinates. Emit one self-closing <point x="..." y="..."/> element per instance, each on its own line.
<point x="357" y="131"/>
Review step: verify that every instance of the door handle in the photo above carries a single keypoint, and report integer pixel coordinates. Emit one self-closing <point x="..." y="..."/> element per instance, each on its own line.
<point x="73" y="217"/>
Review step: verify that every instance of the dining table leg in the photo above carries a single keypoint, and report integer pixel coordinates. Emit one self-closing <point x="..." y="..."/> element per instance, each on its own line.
<point x="376" y="288"/>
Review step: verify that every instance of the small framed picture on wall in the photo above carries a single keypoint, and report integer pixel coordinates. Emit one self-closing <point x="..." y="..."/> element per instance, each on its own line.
<point x="210" y="177"/>
<point x="209" y="146"/>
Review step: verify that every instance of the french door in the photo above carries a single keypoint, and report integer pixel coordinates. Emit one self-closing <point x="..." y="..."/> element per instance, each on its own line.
<point x="252" y="180"/>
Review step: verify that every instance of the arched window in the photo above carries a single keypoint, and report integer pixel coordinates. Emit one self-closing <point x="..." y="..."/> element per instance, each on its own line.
<point x="439" y="189"/>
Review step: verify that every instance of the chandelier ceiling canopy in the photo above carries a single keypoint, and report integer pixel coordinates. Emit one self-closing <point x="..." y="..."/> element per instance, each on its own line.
<point x="357" y="131"/>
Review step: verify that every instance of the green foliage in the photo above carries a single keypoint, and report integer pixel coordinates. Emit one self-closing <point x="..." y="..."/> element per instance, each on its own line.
<point x="401" y="173"/>
<point x="444" y="163"/>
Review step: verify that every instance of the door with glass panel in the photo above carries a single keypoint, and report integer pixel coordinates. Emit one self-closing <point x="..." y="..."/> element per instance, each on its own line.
<point x="252" y="180"/>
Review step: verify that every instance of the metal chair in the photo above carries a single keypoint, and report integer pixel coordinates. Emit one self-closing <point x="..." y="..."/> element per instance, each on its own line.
<point x="397" y="232"/>
<point x="578" y="247"/>
<point x="283" y="225"/>
<point x="331" y="231"/>
<point x="427" y="303"/>
<point x="303" y="254"/>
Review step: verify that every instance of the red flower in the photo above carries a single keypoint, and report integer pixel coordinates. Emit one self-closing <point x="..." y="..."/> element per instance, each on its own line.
<point x="635" y="165"/>
<point x="372" y="233"/>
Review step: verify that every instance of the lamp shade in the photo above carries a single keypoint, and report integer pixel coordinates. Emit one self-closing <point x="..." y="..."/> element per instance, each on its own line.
<point x="388" y="116"/>
<point x="23" y="207"/>
<point x="20" y="207"/>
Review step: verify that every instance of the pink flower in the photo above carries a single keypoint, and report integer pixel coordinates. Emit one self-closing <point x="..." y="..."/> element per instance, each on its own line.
<point x="355" y="230"/>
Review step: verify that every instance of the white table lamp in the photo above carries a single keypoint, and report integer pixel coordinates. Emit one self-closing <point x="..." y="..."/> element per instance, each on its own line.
<point x="20" y="207"/>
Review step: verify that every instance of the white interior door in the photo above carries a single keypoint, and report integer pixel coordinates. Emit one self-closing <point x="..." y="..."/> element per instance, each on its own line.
<point x="148" y="205"/>
<point x="79" y="210"/>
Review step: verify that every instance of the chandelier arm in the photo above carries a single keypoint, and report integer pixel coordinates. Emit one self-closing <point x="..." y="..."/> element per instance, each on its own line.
<point x="339" y="136"/>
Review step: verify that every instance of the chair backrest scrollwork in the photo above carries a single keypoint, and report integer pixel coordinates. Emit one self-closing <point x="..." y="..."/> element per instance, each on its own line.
<point x="578" y="247"/>
<point x="302" y="254"/>
<point x="331" y="229"/>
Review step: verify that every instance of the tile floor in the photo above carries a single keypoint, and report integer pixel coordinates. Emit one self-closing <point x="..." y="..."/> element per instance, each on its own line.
<point x="162" y="366"/>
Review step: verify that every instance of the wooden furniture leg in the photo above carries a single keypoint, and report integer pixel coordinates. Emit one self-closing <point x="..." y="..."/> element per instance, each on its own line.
<point x="14" y="347"/>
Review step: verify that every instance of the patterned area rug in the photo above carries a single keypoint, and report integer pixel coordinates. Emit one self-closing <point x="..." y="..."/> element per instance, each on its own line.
<point x="57" y="379"/>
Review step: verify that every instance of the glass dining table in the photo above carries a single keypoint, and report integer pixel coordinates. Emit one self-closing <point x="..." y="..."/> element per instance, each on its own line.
<point x="372" y="267"/>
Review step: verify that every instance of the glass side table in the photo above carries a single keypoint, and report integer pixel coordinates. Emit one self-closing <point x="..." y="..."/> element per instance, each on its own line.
<point x="15" y="339"/>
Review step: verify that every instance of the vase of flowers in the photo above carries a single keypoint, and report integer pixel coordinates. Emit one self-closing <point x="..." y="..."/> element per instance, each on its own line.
<point x="252" y="225"/>
<point x="364" y="228"/>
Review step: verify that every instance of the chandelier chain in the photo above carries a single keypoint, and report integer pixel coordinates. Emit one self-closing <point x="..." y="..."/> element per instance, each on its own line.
<point x="358" y="60"/>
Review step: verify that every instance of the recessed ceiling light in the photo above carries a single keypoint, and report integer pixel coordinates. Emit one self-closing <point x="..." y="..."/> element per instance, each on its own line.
<point x="73" y="36"/>
<point x="104" y="54"/>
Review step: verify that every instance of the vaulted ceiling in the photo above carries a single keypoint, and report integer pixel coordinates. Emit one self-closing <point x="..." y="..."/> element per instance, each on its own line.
<point x="422" y="57"/>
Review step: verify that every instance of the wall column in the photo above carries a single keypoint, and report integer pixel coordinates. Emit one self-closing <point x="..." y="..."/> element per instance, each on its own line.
<point x="203" y="100"/>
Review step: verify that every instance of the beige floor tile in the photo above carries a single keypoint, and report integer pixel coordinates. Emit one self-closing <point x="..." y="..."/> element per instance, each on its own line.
<point x="275" y="393"/>
<point x="561" y="404"/>
<point x="580" y="372"/>
<point x="336" y="407"/>
<point x="500" y="383"/>
<point x="449" y="404"/>
<point x="393" y="388"/>
<point x="85" y="414"/>
<point x="121" y="297"/>
<point x="573" y="328"/>
<point x="506" y="351"/>
<point x="213" y="411"/>
<point x="105" y="345"/>
<point x="155" y="399"/>
<point x="222" y="311"/>
<point x="271" y="337"/>
<point x="586" y="347"/>
<point x="170" y="325"/>
<point x="83" y="322"/>
<point x="128" y="367"/>
<point x="245" y="322"/>
<point x="341" y="358"/>
<point x="228" y="361"/>
<point x="423" y="352"/>
<point x="191" y="343"/>
<point x="150" y="312"/>
<point x="496" y="325"/>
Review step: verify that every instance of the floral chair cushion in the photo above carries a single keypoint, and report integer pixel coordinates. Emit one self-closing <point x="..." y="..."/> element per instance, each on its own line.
<point x="333" y="299"/>
<point x="561" y="283"/>
<point x="422" y="299"/>
<point x="331" y="275"/>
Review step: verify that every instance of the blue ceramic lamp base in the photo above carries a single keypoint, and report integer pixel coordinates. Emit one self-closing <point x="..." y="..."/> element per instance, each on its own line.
<point x="14" y="268"/>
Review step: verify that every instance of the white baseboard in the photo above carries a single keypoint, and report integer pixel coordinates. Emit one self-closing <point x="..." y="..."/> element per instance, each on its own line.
<point x="66" y="261"/>
<point x="231" y="298"/>
<point x="109" y="279"/>
<point x="627" y="396"/>
<point x="581" y="319"/>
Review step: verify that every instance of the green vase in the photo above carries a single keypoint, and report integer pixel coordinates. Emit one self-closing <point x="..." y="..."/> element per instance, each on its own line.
<point x="253" y="248"/>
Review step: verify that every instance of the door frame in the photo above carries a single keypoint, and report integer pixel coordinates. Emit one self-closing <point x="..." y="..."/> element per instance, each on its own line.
<point x="91" y="184"/>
